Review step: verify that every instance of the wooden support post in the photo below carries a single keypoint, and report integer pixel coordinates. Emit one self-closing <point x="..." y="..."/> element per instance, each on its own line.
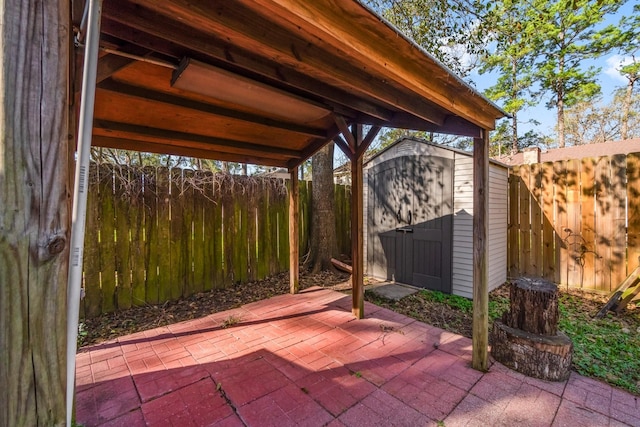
<point x="294" y="215"/>
<point x="357" y="246"/>
<point x="480" y="247"/>
<point x="34" y="211"/>
<point x="354" y="149"/>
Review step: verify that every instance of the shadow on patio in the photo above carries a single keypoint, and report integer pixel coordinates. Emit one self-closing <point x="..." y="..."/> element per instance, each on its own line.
<point x="304" y="360"/>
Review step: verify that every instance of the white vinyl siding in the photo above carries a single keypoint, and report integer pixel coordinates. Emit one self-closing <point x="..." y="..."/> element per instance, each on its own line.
<point x="498" y="205"/>
<point x="462" y="276"/>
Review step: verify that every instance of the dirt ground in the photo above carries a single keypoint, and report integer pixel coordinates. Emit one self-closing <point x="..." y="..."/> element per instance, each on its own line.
<point x="113" y="325"/>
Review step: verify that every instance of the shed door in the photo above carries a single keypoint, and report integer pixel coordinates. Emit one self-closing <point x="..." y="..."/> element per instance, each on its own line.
<point x="410" y="225"/>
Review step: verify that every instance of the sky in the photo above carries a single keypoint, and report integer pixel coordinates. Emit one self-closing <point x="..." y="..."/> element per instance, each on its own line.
<point x="609" y="80"/>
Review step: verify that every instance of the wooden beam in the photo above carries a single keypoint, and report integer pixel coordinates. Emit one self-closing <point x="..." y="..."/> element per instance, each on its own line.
<point x="111" y="63"/>
<point x="34" y="211"/>
<point x="176" y="148"/>
<point x="480" y="332"/>
<point x="150" y="30"/>
<point x="165" y="98"/>
<point x="346" y="133"/>
<point x="242" y="26"/>
<point x="366" y="142"/>
<point x="312" y="148"/>
<point x="134" y="132"/>
<point x="344" y="147"/>
<point x="294" y="251"/>
<point x="400" y="62"/>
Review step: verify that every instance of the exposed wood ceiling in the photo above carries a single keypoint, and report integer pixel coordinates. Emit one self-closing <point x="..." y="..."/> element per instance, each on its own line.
<point x="289" y="73"/>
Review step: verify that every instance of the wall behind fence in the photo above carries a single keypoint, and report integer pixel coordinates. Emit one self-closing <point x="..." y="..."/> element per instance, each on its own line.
<point x="155" y="234"/>
<point x="576" y="222"/>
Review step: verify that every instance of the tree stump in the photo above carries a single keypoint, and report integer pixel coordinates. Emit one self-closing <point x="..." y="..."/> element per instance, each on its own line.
<point x="527" y="339"/>
<point x="533" y="306"/>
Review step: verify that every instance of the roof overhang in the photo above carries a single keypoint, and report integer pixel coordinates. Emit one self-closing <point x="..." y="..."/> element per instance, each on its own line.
<point x="266" y="81"/>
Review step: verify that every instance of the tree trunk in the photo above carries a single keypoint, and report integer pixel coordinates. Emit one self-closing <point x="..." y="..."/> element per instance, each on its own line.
<point x="560" y="93"/>
<point x="34" y="211"/>
<point x="533" y="306"/>
<point x="626" y="107"/>
<point x="514" y="118"/>
<point x="560" y="118"/>
<point x="527" y="339"/>
<point x="323" y="229"/>
<point x="514" y="131"/>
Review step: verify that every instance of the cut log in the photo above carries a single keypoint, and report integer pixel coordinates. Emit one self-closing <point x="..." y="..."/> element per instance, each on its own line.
<point x="533" y="306"/>
<point x="341" y="265"/>
<point x="539" y="356"/>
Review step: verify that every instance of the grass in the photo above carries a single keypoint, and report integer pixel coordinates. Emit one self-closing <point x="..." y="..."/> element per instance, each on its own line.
<point x="230" y="321"/>
<point x="607" y="349"/>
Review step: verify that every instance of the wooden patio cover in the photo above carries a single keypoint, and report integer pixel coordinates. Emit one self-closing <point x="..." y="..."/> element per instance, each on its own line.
<point x="269" y="82"/>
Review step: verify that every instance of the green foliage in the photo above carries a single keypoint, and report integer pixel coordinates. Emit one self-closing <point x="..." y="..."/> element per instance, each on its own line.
<point x="230" y="321"/>
<point x="497" y="306"/>
<point x="501" y="140"/>
<point x="602" y="349"/>
<point x="454" y="301"/>
<point x="444" y="28"/>
<point x="511" y="34"/>
<point x="566" y="30"/>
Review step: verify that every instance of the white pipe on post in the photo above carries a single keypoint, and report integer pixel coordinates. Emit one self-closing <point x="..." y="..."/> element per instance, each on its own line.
<point x="78" y="218"/>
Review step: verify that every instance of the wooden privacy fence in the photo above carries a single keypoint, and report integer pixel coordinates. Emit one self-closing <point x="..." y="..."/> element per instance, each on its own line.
<point x="576" y="222"/>
<point x="155" y="234"/>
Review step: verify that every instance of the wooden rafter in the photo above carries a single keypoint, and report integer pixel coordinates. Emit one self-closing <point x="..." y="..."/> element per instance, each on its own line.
<point x="349" y="142"/>
<point x="344" y="147"/>
<point x="180" y="149"/>
<point x="334" y="22"/>
<point x="242" y="27"/>
<point x="139" y="29"/>
<point x="167" y="136"/>
<point x="164" y="98"/>
<point x="366" y="142"/>
<point x="112" y="63"/>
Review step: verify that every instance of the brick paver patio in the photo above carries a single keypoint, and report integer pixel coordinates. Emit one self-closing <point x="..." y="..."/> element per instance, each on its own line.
<point x="303" y="360"/>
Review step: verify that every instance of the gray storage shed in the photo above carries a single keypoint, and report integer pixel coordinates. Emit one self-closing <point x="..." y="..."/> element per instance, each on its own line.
<point x="418" y="210"/>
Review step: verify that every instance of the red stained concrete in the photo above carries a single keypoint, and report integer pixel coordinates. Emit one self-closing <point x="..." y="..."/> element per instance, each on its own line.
<point x="304" y="360"/>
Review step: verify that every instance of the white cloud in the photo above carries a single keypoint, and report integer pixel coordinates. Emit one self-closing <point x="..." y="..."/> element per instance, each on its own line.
<point x="613" y="65"/>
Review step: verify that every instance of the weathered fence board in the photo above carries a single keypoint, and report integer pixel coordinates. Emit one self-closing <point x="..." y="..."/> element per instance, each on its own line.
<point x="92" y="268"/>
<point x="525" y="221"/>
<point x="605" y="221"/>
<point x="107" y="238"/>
<point x="571" y="231"/>
<point x="576" y="222"/>
<point x="535" y="183"/>
<point x="633" y="203"/>
<point x="137" y="249"/>
<point x="587" y="217"/>
<point x="618" y="265"/>
<point x="122" y="243"/>
<point x="200" y="245"/>
<point x="548" y="238"/>
<point x="155" y="234"/>
<point x="513" y="228"/>
<point x="163" y="245"/>
<point x="152" y="236"/>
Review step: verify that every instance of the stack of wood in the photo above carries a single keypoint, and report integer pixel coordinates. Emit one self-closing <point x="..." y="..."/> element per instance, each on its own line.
<point x="527" y="339"/>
